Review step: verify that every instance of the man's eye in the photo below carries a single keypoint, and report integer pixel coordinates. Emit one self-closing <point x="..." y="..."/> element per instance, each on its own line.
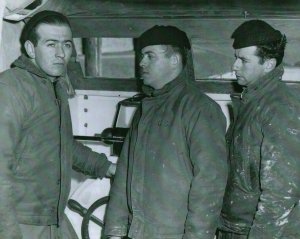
<point x="51" y="45"/>
<point x="145" y="57"/>
<point x="68" y="45"/>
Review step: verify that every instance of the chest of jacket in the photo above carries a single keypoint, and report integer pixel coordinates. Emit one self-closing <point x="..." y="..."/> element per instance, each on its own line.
<point x="41" y="155"/>
<point x="161" y="136"/>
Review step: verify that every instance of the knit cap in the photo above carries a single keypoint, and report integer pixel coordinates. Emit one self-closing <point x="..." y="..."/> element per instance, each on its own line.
<point x="254" y="33"/>
<point x="163" y="35"/>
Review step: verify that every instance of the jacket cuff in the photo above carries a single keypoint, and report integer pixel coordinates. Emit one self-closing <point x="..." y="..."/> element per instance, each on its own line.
<point x="117" y="231"/>
<point x="103" y="167"/>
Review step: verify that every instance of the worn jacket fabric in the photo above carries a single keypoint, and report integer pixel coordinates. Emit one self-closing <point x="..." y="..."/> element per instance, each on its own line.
<point x="172" y="171"/>
<point x="37" y="149"/>
<point x="262" y="194"/>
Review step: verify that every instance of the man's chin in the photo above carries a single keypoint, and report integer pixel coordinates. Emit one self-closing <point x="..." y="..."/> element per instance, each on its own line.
<point x="54" y="76"/>
<point x="144" y="76"/>
<point x="145" y="80"/>
<point x="147" y="83"/>
<point x="241" y="82"/>
<point x="58" y="73"/>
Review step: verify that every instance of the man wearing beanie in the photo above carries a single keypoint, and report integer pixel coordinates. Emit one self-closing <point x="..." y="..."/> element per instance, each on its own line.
<point x="172" y="171"/>
<point x="263" y="190"/>
<point x="37" y="150"/>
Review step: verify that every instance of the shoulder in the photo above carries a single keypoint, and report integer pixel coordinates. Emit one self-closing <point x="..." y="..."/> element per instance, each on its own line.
<point x="194" y="95"/>
<point x="16" y="85"/>
<point x="193" y="103"/>
<point x="281" y="102"/>
<point x="282" y="96"/>
<point x="11" y="76"/>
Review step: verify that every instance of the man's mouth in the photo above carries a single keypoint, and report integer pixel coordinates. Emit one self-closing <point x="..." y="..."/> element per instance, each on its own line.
<point x="143" y="73"/>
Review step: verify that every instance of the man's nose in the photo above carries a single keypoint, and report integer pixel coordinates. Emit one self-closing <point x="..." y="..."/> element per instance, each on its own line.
<point x="60" y="52"/>
<point x="142" y="62"/>
<point x="235" y="65"/>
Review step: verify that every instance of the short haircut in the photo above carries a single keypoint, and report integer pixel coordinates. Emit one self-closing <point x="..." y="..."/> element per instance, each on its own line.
<point x="272" y="50"/>
<point x="44" y="17"/>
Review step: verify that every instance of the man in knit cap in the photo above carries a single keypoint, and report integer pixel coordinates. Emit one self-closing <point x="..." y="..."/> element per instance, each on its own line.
<point x="172" y="171"/>
<point x="37" y="150"/>
<point x="262" y="195"/>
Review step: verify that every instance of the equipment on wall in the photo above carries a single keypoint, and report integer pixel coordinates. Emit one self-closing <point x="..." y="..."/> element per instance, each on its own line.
<point x="115" y="135"/>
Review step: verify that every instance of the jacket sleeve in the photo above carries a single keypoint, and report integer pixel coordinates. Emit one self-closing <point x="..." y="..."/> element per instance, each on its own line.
<point x="280" y="172"/>
<point x="84" y="159"/>
<point x="89" y="162"/>
<point x="117" y="213"/>
<point x="206" y="141"/>
<point x="10" y="121"/>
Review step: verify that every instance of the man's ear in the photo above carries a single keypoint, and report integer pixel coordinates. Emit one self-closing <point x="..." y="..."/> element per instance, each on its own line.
<point x="29" y="47"/>
<point x="175" y="59"/>
<point x="270" y="64"/>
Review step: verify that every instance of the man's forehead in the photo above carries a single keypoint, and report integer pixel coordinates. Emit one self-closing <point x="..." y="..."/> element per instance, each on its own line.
<point x="154" y="48"/>
<point x="246" y="51"/>
<point x="53" y="30"/>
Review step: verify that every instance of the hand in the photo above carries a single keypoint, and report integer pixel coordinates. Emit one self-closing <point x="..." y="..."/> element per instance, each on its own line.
<point x="111" y="171"/>
<point x="114" y="237"/>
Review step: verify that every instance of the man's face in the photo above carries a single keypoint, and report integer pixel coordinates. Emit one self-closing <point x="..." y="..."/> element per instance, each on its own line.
<point x="155" y="66"/>
<point x="247" y="66"/>
<point x="53" y="50"/>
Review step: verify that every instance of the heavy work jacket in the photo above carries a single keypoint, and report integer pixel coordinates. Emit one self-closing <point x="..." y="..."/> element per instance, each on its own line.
<point x="263" y="190"/>
<point x="37" y="149"/>
<point x="172" y="171"/>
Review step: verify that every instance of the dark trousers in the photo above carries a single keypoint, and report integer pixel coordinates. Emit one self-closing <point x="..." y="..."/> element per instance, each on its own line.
<point x="230" y="235"/>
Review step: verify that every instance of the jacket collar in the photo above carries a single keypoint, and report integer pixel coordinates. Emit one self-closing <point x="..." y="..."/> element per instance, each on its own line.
<point x="23" y="62"/>
<point x="264" y="84"/>
<point x="180" y="79"/>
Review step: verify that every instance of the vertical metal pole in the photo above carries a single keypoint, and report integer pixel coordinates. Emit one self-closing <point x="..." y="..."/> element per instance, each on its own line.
<point x="92" y="51"/>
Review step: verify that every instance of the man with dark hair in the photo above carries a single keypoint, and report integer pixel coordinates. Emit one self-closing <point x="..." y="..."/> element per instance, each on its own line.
<point x="37" y="150"/>
<point x="172" y="171"/>
<point x="262" y="194"/>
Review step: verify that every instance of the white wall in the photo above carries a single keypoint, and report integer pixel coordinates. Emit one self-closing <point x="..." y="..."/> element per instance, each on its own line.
<point x="92" y="112"/>
<point x="10" y="47"/>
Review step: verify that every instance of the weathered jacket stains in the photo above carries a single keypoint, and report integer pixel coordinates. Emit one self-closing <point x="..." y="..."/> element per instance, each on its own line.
<point x="263" y="190"/>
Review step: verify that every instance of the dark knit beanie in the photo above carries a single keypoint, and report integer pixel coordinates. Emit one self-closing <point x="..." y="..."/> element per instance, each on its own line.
<point x="254" y="33"/>
<point x="163" y="35"/>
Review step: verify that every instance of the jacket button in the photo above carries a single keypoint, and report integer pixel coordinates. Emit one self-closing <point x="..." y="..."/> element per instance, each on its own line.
<point x="58" y="182"/>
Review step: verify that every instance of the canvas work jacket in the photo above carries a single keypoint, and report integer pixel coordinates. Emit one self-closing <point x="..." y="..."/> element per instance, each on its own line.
<point x="263" y="190"/>
<point x="37" y="149"/>
<point x="172" y="171"/>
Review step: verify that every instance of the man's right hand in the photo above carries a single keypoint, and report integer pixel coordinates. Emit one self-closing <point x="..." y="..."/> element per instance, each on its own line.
<point x="111" y="171"/>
